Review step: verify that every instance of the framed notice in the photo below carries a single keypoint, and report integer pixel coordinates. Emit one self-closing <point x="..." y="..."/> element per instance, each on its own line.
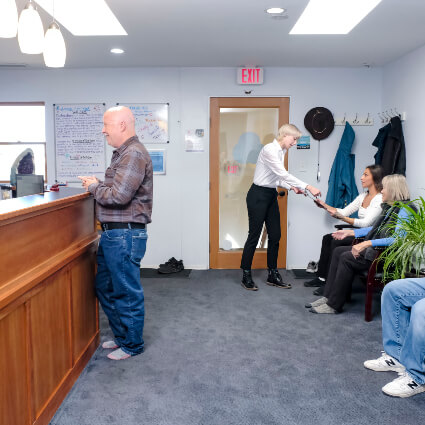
<point x="79" y="142"/>
<point x="151" y="121"/>
<point x="158" y="160"/>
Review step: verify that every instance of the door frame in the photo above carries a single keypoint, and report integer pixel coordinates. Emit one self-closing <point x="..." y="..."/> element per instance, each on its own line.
<point x="231" y="259"/>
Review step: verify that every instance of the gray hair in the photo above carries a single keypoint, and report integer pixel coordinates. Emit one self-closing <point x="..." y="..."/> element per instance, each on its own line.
<point x="396" y="186"/>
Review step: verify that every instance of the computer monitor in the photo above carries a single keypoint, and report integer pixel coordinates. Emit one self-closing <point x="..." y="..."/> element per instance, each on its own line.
<point x="29" y="184"/>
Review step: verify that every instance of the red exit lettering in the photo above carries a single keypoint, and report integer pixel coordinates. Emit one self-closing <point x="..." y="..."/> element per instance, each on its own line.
<point x="250" y="76"/>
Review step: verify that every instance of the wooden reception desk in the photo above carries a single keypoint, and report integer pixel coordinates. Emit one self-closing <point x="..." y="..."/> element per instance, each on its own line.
<point x="48" y="310"/>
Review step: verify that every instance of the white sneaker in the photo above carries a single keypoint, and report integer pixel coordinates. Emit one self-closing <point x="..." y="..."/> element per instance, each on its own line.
<point x="403" y="386"/>
<point x="312" y="267"/>
<point x="385" y="363"/>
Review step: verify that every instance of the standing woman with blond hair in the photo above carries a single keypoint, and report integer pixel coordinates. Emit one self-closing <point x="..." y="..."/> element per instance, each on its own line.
<point x="262" y="205"/>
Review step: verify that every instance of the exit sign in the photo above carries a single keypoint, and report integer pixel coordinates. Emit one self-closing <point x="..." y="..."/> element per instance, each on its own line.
<point x="250" y="75"/>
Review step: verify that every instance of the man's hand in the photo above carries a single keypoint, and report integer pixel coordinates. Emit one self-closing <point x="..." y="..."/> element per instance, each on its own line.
<point x="342" y="234"/>
<point x="87" y="181"/>
<point x="358" y="248"/>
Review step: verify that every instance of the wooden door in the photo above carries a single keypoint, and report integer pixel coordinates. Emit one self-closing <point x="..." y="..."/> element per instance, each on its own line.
<point x="239" y="128"/>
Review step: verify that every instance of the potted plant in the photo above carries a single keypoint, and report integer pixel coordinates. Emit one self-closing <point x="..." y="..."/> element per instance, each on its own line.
<point x="408" y="250"/>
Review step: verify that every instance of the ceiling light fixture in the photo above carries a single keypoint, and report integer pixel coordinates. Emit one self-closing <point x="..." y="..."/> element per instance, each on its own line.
<point x="8" y="19"/>
<point x="82" y="17"/>
<point x="332" y="16"/>
<point x="54" y="45"/>
<point x="117" y="51"/>
<point x="30" y="30"/>
<point x="275" y="10"/>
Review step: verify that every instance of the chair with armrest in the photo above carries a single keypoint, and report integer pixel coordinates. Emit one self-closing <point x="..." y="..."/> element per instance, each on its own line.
<point x="373" y="280"/>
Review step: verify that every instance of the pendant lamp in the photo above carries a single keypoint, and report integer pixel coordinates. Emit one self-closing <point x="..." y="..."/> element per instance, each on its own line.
<point x="54" y="47"/>
<point x="30" y="30"/>
<point x="8" y="18"/>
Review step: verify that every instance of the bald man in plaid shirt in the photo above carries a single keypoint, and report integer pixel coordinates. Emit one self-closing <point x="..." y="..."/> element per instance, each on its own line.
<point x="124" y="208"/>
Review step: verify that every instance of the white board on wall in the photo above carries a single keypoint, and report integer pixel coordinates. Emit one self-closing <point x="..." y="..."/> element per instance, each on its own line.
<point x="151" y="121"/>
<point x="79" y="142"/>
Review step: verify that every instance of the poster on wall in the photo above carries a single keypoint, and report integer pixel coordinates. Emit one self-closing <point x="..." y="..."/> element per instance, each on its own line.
<point x="151" y="121"/>
<point x="194" y="140"/>
<point x="79" y="142"/>
<point x="158" y="160"/>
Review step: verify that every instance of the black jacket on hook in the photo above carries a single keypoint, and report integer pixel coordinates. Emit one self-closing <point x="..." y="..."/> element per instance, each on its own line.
<point x="391" y="153"/>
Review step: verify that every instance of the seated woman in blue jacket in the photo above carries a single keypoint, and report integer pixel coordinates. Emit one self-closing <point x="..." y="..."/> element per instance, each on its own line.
<point x="349" y="260"/>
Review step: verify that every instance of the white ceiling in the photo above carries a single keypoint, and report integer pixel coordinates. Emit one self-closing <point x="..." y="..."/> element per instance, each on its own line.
<point x="231" y="33"/>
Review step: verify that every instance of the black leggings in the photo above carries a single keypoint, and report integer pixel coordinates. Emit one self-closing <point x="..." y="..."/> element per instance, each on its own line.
<point x="341" y="275"/>
<point x="262" y="208"/>
<point x="328" y="246"/>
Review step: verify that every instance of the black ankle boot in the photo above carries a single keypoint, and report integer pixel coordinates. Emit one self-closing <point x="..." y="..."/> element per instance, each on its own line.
<point x="247" y="281"/>
<point x="275" y="279"/>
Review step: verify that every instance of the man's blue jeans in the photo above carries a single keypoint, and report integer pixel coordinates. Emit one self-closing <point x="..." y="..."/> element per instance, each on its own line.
<point x="403" y="324"/>
<point x="118" y="285"/>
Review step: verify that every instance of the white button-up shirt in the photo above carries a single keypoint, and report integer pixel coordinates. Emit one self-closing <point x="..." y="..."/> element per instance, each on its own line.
<point x="270" y="171"/>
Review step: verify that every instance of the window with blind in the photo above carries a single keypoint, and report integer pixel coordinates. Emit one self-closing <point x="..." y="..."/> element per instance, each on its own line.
<point x="22" y="130"/>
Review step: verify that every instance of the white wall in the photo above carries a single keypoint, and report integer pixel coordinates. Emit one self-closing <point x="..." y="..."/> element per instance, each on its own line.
<point x="404" y="89"/>
<point x="181" y="198"/>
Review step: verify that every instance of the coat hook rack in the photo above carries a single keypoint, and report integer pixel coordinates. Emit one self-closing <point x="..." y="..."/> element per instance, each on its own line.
<point x="386" y="115"/>
<point x="354" y="119"/>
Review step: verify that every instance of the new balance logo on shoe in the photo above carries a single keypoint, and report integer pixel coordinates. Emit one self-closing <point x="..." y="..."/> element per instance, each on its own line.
<point x="390" y="362"/>
<point x="412" y="385"/>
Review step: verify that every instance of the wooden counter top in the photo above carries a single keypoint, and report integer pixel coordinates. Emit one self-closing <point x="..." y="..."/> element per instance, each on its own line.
<point x="10" y="208"/>
<point x="49" y="324"/>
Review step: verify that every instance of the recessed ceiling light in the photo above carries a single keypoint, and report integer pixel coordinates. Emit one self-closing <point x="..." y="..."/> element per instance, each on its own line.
<point x="275" y="10"/>
<point x="332" y="16"/>
<point x="82" y="17"/>
<point x="117" y="51"/>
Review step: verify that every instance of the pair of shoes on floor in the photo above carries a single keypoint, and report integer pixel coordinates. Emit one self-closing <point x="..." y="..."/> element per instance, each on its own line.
<point x="312" y="267"/>
<point x="323" y="309"/>
<point x="316" y="303"/>
<point x="118" y="354"/>
<point x="403" y="386"/>
<point x="320" y="290"/>
<point x="316" y="282"/>
<point x="273" y="279"/>
<point x="171" y="266"/>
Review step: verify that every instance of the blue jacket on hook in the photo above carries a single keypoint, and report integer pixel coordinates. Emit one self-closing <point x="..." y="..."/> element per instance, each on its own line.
<point x="342" y="187"/>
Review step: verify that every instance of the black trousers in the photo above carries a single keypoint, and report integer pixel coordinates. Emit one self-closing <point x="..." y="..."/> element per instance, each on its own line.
<point x="341" y="275"/>
<point x="262" y="208"/>
<point x="328" y="246"/>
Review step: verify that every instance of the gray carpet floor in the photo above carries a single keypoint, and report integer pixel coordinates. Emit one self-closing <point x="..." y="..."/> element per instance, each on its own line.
<point x="217" y="354"/>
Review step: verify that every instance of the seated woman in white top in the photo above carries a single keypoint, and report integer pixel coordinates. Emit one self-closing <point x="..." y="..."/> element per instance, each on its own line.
<point x="368" y="205"/>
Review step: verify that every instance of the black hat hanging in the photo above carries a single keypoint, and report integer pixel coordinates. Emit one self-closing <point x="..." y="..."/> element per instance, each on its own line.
<point x="320" y="123"/>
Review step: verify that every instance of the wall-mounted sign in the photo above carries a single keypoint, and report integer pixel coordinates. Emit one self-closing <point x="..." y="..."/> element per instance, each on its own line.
<point x="303" y="142"/>
<point x="250" y="75"/>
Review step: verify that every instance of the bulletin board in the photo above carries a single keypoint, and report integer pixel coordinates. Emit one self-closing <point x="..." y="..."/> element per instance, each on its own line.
<point x="79" y="142"/>
<point x="151" y="121"/>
